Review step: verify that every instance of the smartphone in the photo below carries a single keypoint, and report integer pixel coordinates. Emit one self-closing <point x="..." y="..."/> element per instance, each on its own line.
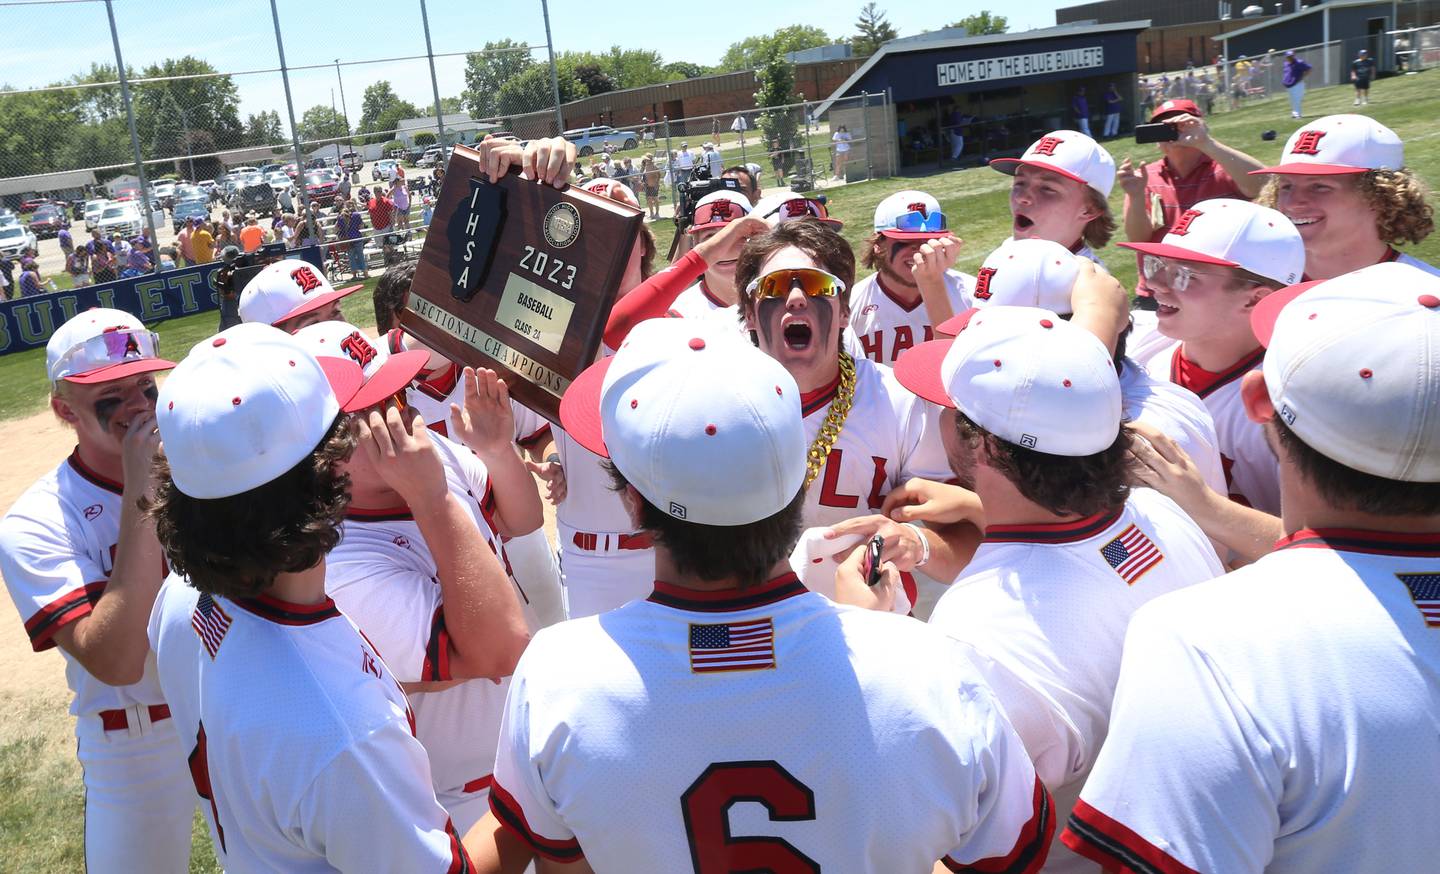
<point x="873" y="549"/>
<point x="1160" y="132"/>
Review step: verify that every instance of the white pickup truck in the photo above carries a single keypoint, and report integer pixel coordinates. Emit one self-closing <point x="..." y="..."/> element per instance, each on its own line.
<point x="589" y="140"/>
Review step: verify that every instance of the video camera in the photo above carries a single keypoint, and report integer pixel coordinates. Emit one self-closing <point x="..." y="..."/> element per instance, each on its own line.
<point x="689" y="192"/>
<point x="240" y="268"/>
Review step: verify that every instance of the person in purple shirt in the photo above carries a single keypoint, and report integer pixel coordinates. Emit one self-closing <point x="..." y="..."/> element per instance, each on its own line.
<point x="1081" y="107"/>
<point x="1293" y="78"/>
<point x="67" y="243"/>
<point x="1112" y="112"/>
<point x="30" y="279"/>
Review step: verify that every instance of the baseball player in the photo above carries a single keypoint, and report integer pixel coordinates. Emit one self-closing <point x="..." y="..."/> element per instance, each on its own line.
<point x="1222" y="755"/>
<point x="1039" y="273"/>
<point x="1342" y="180"/>
<point x="1034" y="409"/>
<point x="290" y="294"/>
<point x="82" y="566"/>
<point x="300" y="739"/>
<point x="713" y="296"/>
<point x="914" y="286"/>
<point x="1060" y="192"/>
<point x="705" y="436"/>
<point x="420" y="566"/>
<point x="1219" y="259"/>
<point x="867" y="434"/>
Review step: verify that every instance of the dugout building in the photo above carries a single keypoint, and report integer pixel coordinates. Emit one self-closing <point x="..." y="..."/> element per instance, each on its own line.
<point x="985" y="96"/>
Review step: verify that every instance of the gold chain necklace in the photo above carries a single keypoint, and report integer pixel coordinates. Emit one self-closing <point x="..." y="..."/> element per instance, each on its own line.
<point x="834" y="420"/>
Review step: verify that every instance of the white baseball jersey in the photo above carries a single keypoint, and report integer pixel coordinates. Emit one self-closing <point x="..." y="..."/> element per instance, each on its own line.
<point x="1251" y="471"/>
<point x="57" y="550"/>
<point x="432" y="399"/>
<point x="761" y="729"/>
<point x="1394" y="254"/>
<point x="884" y="326"/>
<point x="1082" y="249"/>
<point x="301" y="741"/>
<point x="1178" y="413"/>
<point x="1045" y="608"/>
<point x="383" y="576"/>
<point x="1293" y="734"/>
<point x="604" y="561"/>
<point x="698" y="302"/>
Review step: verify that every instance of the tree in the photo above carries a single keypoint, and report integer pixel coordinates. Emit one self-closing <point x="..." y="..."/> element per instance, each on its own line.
<point x="594" y="79"/>
<point x="633" y="68"/>
<point x="676" y="70"/>
<point x="322" y="122"/>
<point x="776" y="77"/>
<point x="530" y="91"/>
<point x="448" y="105"/>
<point x="488" y="70"/>
<point x="751" y="52"/>
<point x="981" y="23"/>
<point x="263" y="128"/>
<point x="379" y="103"/>
<point x="211" y="102"/>
<point x="871" y="31"/>
<point x="424" y="139"/>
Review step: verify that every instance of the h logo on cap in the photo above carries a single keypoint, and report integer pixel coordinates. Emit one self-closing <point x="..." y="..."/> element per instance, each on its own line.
<point x="305" y="278"/>
<point x="358" y="348"/>
<point x="796" y="208"/>
<point x="1046" y="145"/>
<point x="720" y="209"/>
<point x="1308" y="143"/>
<point x="1182" y="224"/>
<point x="920" y="208"/>
<point x="982" y="282"/>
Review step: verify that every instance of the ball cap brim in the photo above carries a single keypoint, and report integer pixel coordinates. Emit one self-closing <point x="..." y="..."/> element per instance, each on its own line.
<point x="119" y="371"/>
<point x="1179" y="253"/>
<point x="1267" y="311"/>
<point x="320" y="300"/>
<point x="396" y="373"/>
<point x="580" y="408"/>
<point x="918" y="369"/>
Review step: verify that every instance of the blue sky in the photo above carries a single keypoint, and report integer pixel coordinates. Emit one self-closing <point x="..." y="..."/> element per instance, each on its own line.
<point x="44" y="43"/>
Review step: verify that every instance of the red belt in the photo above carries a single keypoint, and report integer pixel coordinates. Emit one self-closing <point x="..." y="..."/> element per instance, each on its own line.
<point x="119" y="720"/>
<point x="593" y="543"/>
<point x="479" y="784"/>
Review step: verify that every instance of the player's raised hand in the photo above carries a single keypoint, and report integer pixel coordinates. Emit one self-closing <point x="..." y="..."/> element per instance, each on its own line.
<point x="486" y="422"/>
<point x="550" y="160"/>
<point x="902" y="542"/>
<point x="726" y="245"/>
<point x="398" y="447"/>
<point x="1158" y="462"/>
<point x="850" y="587"/>
<point x="923" y="500"/>
<point x="1132" y="177"/>
<point x="934" y="258"/>
<point x="553" y="473"/>
<point x="1099" y="303"/>
<point x="137" y="453"/>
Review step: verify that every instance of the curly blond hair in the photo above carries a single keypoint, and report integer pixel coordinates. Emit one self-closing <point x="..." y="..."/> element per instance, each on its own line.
<point x="1399" y="199"/>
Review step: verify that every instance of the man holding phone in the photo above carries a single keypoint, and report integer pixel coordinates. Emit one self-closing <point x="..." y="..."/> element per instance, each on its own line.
<point x="1193" y="167"/>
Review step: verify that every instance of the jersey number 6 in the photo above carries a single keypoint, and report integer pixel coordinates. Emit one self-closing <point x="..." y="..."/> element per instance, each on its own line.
<point x="706" y="805"/>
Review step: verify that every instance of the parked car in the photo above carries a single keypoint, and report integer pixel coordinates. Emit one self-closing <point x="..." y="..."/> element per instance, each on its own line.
<point x="120" y="218"/>
<point x="383" y="170"/>
<point x="30" y="204"/>
<point x="267" y="169"/>
<point x="77" y="209"/>
<point x="8" y="218"/>
<point x="280" y="181"/>
<point x="185" y="209"/>
<point x="257" y="195"/>
<point x="291" y="169"/>
<point x="47" y="221"/>
<point x="322" y="187"/>
<point x="16" y="238"/>
<point x="350" y="162"/>
<point x="92" y="212"/>
<point x="431" y="156"/>
<point x="206" y="185"/>
<point x="589" y="140"/>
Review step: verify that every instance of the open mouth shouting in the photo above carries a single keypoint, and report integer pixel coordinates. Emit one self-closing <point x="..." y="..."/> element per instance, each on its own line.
<point x="796" y="332"/>
<point x="1022" y="224"/>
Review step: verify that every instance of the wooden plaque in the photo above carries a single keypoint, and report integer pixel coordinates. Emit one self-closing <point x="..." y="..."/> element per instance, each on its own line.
<point x="519" y="277"/>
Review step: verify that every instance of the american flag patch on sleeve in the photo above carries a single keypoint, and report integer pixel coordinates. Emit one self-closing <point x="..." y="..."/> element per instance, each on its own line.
<point x="732" y="646"/>
<point x="210" y="622"/>
<point x="1131" y="554"/>
<point x="1425" y="592"/>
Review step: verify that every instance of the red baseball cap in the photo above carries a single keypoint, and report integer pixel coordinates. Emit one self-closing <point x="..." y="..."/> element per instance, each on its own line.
<point x="1176" y="107"/>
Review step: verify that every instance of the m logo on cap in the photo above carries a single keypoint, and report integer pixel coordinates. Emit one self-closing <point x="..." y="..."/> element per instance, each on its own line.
<point x="1182" y="224"/>
<point x="1308" y="143"/>
<point x="305" y="278"/>
<point x="1046" y="145"/>
<point x="982" y="282"/>
<point x="920" y="208"/>
<point x="358" y="348"/>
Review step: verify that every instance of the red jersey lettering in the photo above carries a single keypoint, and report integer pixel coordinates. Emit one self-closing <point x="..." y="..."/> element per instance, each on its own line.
<point x="829" y="487"/>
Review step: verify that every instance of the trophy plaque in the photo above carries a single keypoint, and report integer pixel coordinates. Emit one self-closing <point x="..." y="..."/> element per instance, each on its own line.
<point x="519" y="277"/>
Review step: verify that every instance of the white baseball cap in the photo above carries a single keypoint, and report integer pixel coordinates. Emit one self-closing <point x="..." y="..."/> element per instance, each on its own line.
<point x="1234" y="233"/>
<point x="910" y="215"/>
<point x="286" y="289"/>
<point x="1025" y="375"/>
<point x="1352" y="366"/>
<point x="707" y="217"/>
<point x="613" y="189"/>
<point x="245" y="406"/>
<point x="385" y="374"/>
<point x="777" y="209"/>
<point x="1026" y="273"/>
<point x="704" y="425"/>
<point x="1069" y="153"/>
<point x="101" y="344"/>
<point x="1339" y="144"/>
